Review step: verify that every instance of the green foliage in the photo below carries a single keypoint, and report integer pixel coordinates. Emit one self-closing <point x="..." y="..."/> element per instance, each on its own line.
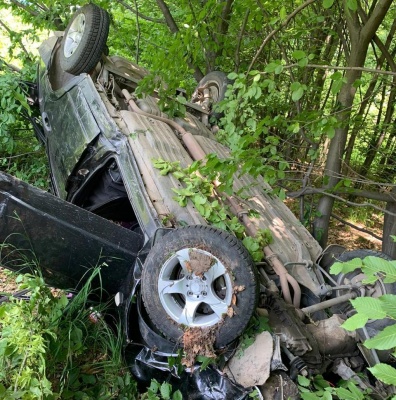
<point x="255" y="245"/>
<point x="248" y="131"/>
<point x="12" y="104"/>
<point x="317" y="388"/>
<point x="161" y="391"/>
<point x="372" y="267"/>
<point x="50" y="349"/>
<point x="20" y="154"/>
<point x="368" y="308"/>
<point x="176" y="362"/>
<point x="384" y="373"/>
<point x="202" y="193"/>
<point x="256" y="325"/>
<point x="205" y="361"/>
<point x="26" y="329"/>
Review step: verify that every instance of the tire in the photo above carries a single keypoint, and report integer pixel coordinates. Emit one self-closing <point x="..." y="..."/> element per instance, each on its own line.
<point x="84" y="40"/>
<point x="217" y="83"/>
<point x="380" y="288"/>
<point x="176" y="298"/>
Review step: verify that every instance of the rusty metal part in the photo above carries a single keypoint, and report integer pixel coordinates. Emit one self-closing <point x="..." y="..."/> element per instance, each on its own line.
<point x="293" y="333"/>
<point x="273" y="259"/>
<point x="333" y="340"/>
<point x="276" y="362"/>
<point x="329" y="303"/>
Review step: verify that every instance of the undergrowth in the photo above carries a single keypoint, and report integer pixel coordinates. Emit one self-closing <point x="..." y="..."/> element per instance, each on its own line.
<point x="53" y="347"/>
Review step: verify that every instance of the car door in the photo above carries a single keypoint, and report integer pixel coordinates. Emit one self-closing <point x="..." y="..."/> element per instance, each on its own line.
<point x="62" y="240"/>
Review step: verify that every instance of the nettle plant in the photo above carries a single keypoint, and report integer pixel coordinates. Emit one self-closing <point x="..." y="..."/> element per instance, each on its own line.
<point x="369" y="309"/>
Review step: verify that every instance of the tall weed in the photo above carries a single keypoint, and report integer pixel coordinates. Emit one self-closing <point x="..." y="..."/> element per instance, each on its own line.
<point x="55" y="347"/>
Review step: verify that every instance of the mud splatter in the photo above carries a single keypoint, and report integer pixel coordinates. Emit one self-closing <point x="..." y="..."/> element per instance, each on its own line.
<point x="198" y="342"/>
<point x="199" y="263"/>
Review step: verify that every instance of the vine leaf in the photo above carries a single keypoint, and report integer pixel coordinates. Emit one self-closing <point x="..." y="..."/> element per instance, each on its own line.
<point x="384" y="373"/>
<point x="346" y="267"/>
<point x="374" y="265"/>
<point x="384" y="340"/>
<point x="369" y="307"/>
<point x="355" y="322"/>
<point x="352" y="5"/>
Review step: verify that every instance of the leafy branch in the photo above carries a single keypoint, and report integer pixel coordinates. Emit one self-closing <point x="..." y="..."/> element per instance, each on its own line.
<point x="201" y="192"/>
<point x="369" y="309"/>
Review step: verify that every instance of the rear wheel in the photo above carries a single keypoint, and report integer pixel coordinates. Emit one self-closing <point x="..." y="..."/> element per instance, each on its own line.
<point x="84" y="40"/>
<point x="199" y="277"/>
<point x="355" y="279"/>
<point x="211" y="90"/>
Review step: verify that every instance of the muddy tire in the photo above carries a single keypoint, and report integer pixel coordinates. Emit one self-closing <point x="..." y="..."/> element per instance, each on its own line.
<point x="216" y="82"/>
<point x="379" y="288"/>
<point x="189" y="279"/>
<point x="84" y="40"/>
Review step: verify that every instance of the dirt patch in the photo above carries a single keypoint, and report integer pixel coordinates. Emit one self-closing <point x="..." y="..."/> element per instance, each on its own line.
<point x="353" y="239"/>
<point x="198" y="342"/>
<point x="199" y="263"/>
<point x="346" y="235"/>
<point x="7" y="281"/>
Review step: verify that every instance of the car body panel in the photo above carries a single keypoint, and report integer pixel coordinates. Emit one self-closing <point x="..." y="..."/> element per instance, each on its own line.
<point x="70" y="128"/>
<point x="65" y="240"/>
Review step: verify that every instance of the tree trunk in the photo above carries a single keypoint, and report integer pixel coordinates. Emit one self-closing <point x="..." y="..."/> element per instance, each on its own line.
<point x="376" y="142"/>
<point x="388" y="244"/>
<point x="360" y="37"/>
<point x="198" y="75"/>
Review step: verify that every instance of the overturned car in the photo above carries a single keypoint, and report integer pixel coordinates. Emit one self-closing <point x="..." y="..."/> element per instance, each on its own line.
<point x="113" y="205"/>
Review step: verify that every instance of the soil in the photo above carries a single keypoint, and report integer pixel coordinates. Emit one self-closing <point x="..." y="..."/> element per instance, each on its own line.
<point x="7" y="282"/>
<point x="198" y="341"/>
<point x="352" y="238"/>
<point x="347" y="236"/>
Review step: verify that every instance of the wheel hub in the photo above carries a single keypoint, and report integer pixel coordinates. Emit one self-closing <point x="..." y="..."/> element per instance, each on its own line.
<point x="197" y="287"/>
<point x="74" y="35"/>
<point x="190" y="299"/>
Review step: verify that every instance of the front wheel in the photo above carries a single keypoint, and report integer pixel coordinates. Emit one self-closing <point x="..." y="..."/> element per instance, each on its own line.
<point x="199" y="277"/>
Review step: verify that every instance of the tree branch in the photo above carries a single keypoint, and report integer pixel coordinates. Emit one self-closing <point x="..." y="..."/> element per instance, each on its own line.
<point x="383" y="47"/>
<point x="320" y="66"/>
<point x="138" y="33"/>
<point x="375" y="19"/>
<point x="140" y="15"/>
<point x="198" y="75"/>
<point x="168" y="16"/>
<point x="225" y="17"/>
<point x="358" y="228"/>
<point x="240" y="36"/>
<point x="24" y="7"/>
<point x="10" y="66"/>
<point x="370" y="195"/>
<point x="275" y="31"/>
<point x="19" y="41"/>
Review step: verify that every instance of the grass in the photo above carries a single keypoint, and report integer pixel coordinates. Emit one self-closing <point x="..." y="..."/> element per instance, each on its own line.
<point x="53" y="347"/>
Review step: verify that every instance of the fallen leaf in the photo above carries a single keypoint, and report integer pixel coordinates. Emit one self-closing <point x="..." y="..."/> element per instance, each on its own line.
<point x="230" y="312"/>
